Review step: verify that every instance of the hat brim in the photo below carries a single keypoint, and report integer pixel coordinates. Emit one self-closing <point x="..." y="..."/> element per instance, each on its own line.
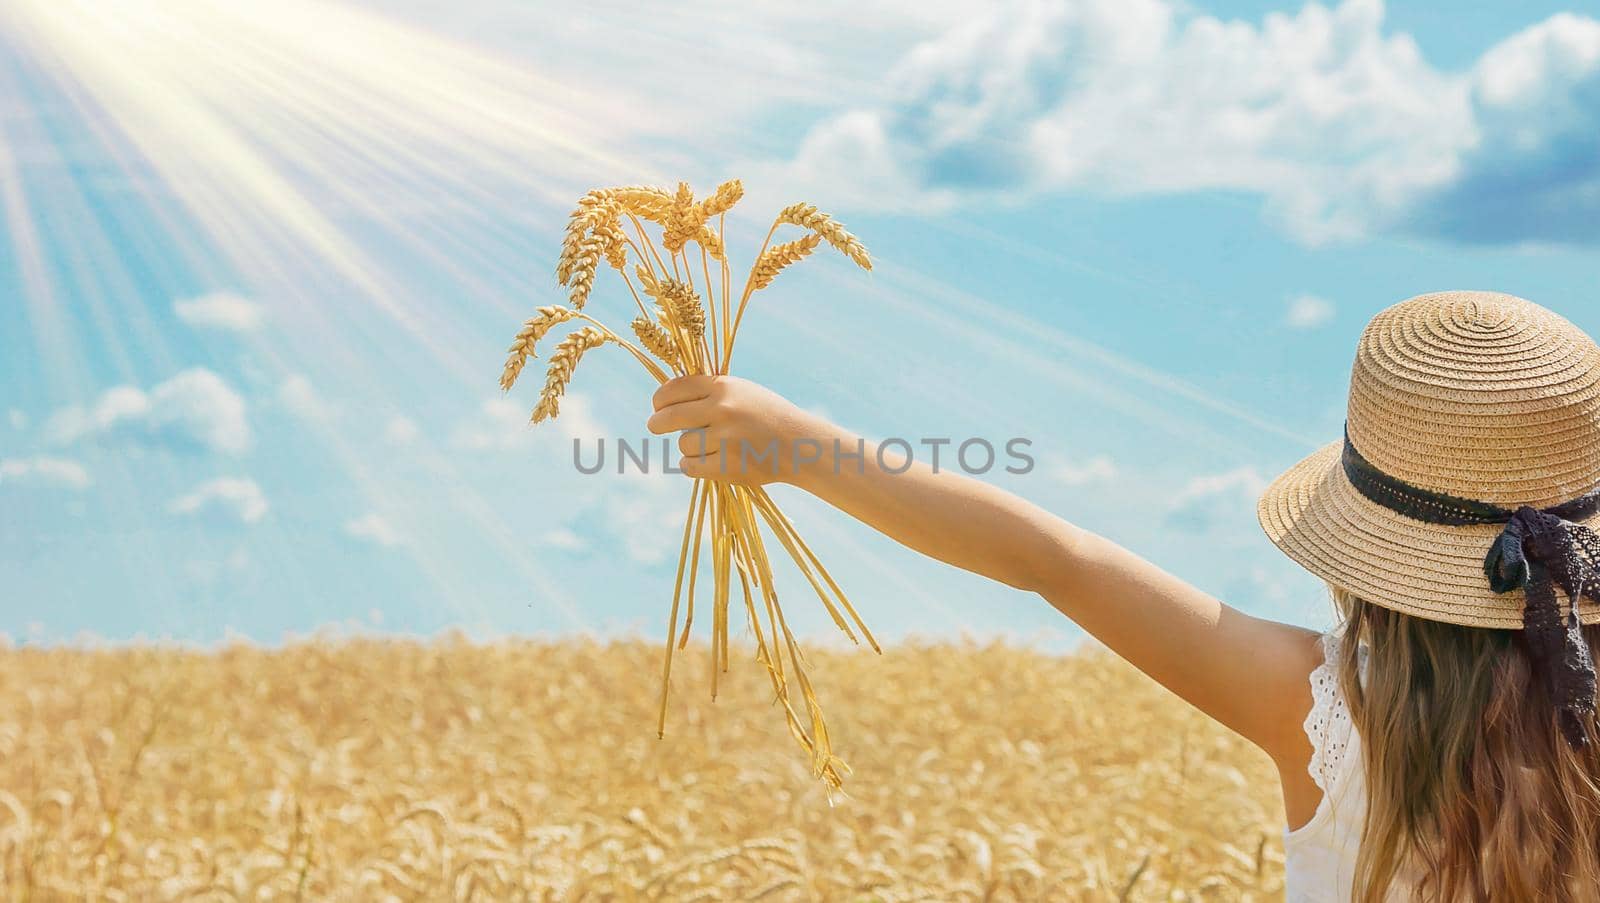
<point x="1432" y="571"/>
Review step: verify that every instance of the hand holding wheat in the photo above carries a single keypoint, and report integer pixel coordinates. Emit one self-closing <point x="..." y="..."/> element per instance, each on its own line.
<point x="734" y="430"/>
<point x="688" y="330"/>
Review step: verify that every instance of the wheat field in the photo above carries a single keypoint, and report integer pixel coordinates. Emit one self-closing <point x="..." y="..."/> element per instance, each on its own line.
<point x="361" y="768"/>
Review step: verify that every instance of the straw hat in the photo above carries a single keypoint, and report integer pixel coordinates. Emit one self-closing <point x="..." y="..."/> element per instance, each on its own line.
<point x="1479" y="395"/>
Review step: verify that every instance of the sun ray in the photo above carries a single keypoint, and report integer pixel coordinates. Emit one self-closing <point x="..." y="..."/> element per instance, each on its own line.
<point x="302" y="141"/>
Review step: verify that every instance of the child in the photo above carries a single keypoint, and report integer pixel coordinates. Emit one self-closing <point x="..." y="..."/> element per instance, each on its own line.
<point x="1440" y="744"/>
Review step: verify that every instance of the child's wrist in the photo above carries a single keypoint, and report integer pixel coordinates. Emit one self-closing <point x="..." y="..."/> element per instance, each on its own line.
<point x="816" y="451"/>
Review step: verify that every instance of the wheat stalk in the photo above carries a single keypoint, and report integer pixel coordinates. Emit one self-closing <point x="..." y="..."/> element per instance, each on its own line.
<point x="707" y="237"/>
<point x="614" y="244"/>
<point x="656" y="340"/>
<point x="807" y="216"/>
<point x="240" y="795"/>
<point x="598" y="214"/>
<point x="585" y="262"/>
<point x="731" y="517"/>
<point x="681" y="312"/>
<point x="775" y="258"/>
<point x="723" y="199"/>
<point x="592" y="211"/>
<point x="643" y="201"/>
<point x="562" y="362"/>
<point x="681" y="305"/>
<point x="543" y="320"/>
<point x="683" y="220"/>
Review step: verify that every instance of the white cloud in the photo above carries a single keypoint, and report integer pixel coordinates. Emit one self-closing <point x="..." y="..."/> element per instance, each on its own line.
<point x="564" y="539"/>
<point x="44" y="471"/>
<point x="219" y="310"/>
<point x="1099" y="469"/>
<point x="642" y="512"/>
<point x="1308" y="312"/>
<point x="401" y="430"/>
<point x="1532" y="174"/>
<point x="770" y="54"/>
<point x="1221" y="499"/>
<point x="1243" y="479"/>
<point x="1342" y="128"/>
<point x="374" y="528"/>
<point x="194" y="411"/>
<point x="231" y="498"/>
<point x="18" y="420"/>
<point x="302" y="399"/>
<point x="502" y="425"/>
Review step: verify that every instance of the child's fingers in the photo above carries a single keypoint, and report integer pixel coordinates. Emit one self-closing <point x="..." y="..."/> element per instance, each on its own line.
<point x="685" y="415"/>
<point x="707" y="467"/>
<point x="684" y="388"/>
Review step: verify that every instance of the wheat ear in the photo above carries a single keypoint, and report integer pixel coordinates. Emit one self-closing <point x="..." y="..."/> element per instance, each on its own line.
<point x="775" y="258"/>
<point x="522" y="348"/>
<point x="600" y="208"/>
<point x="580" y="279"/>
<point x="723" y="199"/>
<point x="593" y="209"/>
<point x="807" y="216"/>
<point x="563" y="361"/>
<point x="654" y="337"/>
<point x="683" y="220"/>
<point x="614" y="243"/>
<point x="679" y="304"/>
<point x="682" y="305"/>
<point x="643" y="201"/>
<point x="708" y="238"/>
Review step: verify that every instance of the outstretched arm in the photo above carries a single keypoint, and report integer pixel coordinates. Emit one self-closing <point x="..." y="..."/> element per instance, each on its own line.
<point x="1246" y="672"/>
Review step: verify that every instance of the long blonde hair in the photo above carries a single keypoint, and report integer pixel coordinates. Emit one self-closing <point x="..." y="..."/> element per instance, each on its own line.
<point x="1470" y="782"/>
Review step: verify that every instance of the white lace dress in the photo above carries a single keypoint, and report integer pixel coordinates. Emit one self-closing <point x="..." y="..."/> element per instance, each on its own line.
<point x="1320" y="856"/>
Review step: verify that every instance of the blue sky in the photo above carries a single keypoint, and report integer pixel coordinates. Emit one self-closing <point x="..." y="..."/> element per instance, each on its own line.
<point x="259" y="267"/>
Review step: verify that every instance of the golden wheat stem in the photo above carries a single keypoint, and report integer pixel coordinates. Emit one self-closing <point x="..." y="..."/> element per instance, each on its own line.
<point x="724" y="550"/>
<point x="672" y="619"/>
<point x="763" y="571"/>
<point x="645" y="238"/>
<point x="783" y="537"/>
<point x="722" y="222"/>
<point x="644" y="359"/>
<point x="820" y="746"/>
<point x="635" y="293"/>
<point x="711" y="311"/>
<point x="694" y="562"/>
<point x="740" y="554"/>
<point x="775" y="669"/>
<point x="744" y="296"/>
<point x="761" y="497"/>
<point x="637" y="251"/>
<point x="718" y="628"/>
<point x="816" y="742"/>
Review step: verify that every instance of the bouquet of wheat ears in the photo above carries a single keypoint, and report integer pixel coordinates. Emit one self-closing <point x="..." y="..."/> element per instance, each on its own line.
<point x="689" y="326"/>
